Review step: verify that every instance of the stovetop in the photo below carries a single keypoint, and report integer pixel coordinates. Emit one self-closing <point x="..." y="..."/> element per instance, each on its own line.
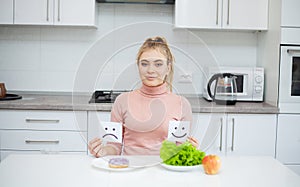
<point x="106" y="96"/>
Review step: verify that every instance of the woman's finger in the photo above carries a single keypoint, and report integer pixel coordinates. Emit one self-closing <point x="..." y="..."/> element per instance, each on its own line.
<point x="193" y="141"/>
<point x="93" y="146"/>
<point x="96" y="150"/>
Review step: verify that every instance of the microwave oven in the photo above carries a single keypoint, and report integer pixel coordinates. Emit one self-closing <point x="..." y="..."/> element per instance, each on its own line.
<point x="249" y="81"/>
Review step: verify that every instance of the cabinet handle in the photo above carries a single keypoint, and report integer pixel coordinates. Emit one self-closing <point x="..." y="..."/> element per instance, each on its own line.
<point x="221" y="134"/>
<point x="217" y="14"/>
<point x="48" y="10"/>
<point x="232" y="135"/>
<point x="58" y="16"/>
<point x="42" y="141"/>
<point x="42" y="120"/>
<point x="293" y="50"/>
<point x="228" y="9"/>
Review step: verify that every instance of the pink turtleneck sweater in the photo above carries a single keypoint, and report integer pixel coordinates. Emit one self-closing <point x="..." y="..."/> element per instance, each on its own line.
<point x="145" y="114"/>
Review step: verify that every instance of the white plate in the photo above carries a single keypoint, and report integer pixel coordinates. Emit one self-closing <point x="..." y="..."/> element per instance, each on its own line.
<point x="135" y="162"/>
<point x="181" y="168"/>
<point x="103" y="164"/>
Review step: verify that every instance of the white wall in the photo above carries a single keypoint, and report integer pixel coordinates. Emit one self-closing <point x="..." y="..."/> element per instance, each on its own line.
<point x="46" y="58"/>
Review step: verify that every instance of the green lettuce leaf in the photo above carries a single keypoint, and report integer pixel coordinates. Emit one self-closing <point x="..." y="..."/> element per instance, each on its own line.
<point x="184" y="154"/>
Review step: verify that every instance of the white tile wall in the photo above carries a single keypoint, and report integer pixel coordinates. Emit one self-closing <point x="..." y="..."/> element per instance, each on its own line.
<point x="45" y="58"/>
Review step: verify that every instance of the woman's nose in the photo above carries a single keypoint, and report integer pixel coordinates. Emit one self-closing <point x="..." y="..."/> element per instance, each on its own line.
<point x="151" y="68"/>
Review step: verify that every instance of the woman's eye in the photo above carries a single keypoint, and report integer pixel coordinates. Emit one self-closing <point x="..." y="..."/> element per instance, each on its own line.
<point x="144" y="64"/>
<point x="158" y="64"/>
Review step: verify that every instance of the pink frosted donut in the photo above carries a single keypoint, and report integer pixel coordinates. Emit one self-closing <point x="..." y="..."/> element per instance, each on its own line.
<point x="118" y="162"/>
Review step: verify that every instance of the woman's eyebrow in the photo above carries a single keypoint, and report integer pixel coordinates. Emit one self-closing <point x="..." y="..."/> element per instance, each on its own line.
<point x="158" y="60"/>
<point x="144" y="60"/>
<point x="152" y="60"/>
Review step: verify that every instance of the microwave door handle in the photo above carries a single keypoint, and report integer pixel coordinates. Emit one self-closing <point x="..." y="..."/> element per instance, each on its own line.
<point x="293" y="50"/>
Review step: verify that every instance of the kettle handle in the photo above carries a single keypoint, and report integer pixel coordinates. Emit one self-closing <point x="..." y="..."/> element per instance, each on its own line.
<point x="212" y="79"/>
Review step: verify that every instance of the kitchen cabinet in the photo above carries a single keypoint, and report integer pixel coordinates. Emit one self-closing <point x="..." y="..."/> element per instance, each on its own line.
<point x="33" y="12"/>
<point x="6" y="11"/>
<point x="43" y="131"/>
<point x="55" y="12"/>
<point x="222" y="14"/>
<point x="290" y="13"/>
<point x="288" y="140"/>
<point x="236" y="134"/>
<point x="222" y="134"/>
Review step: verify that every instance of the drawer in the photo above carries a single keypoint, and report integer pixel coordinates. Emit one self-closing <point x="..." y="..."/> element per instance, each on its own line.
<point x="43" y="120"/>
<point x="46" y="141"/>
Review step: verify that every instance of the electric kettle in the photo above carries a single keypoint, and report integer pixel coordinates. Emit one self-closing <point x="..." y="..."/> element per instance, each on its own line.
<point x="225" y="89"/>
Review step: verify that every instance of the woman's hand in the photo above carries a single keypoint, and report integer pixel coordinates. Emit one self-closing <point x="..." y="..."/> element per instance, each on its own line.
<point x="193" y="141"/>
<point x="95" y="147"/>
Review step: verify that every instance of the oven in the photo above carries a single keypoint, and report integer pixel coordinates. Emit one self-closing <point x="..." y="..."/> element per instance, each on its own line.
<point x="289" y="82"/>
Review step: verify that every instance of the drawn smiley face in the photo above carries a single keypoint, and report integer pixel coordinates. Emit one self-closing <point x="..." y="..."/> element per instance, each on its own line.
<point x="178" y="131"/>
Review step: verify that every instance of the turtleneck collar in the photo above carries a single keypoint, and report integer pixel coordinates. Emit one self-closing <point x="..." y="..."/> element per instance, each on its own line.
<point x="153" y="91"/>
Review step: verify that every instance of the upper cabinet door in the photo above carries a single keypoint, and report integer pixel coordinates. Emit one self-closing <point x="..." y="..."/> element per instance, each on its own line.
<point x="55" y="12"/>
<point x="222" y="14"/>
<point x="290" y="13"/>
<point x="70" y="12"/>
<point x="34" y="12"/>
<point x="245" y="14"/>
<point x="198" y="13"/>
<point x="6" y="12"/>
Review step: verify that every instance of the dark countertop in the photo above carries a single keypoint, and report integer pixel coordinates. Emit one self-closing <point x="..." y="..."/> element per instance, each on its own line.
<point x="80" y="102"/>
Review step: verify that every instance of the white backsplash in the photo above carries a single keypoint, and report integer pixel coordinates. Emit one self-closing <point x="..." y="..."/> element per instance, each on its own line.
<point x="46" y="58"/>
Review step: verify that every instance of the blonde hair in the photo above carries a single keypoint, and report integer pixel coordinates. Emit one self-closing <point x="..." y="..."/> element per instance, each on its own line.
<point x="160" y="44"/>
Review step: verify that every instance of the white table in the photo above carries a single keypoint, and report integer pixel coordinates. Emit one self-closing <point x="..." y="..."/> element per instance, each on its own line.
<point x="76" y="170"/>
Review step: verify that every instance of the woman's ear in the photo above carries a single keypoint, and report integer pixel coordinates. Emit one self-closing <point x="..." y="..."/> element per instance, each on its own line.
<point x="169" y="67"/>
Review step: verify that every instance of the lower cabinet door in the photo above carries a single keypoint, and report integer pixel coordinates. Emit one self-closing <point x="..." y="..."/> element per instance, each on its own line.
<point x="251" y="134"/>
<point x="288" y="139"/>
<point x="235" y="134"/>
<point x="209" y="130"/>
<point x="46" y="141"/>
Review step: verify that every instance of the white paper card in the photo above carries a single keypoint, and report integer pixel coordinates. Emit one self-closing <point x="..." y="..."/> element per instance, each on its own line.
<point x="179" y="131"/>
<point x="110" y="132"/>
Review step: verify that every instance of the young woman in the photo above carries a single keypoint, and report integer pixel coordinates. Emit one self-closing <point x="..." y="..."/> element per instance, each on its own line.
<point x="145" y="113"/>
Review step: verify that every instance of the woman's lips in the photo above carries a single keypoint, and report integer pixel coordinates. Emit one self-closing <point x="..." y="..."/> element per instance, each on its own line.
<point x="150" y="78"/>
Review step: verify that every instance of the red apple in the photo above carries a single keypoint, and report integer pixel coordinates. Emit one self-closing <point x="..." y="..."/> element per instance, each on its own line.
<point x="211" y="164"/>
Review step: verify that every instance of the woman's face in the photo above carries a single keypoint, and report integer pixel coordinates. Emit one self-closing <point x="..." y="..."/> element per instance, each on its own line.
<point x="153" y="67"/>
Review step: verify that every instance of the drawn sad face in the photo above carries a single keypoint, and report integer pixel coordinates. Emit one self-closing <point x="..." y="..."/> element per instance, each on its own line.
<point x="111" y="132"/>
<point x="178" y="131"/>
